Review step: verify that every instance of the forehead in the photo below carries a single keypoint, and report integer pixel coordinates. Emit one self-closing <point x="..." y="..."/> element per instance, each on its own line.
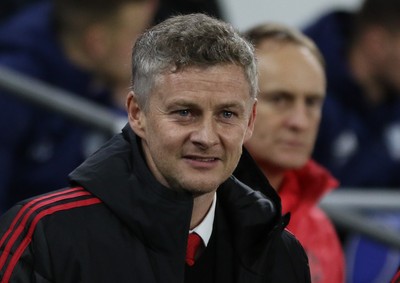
<point x="289" y="65"/>
<point x="228" y="78"/>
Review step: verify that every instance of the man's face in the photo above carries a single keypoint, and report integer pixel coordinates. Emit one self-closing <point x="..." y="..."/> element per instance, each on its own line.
<point x="119" y="36"/>
<point x="292" y="89"/>
<point x="387" y="72"/>
<point x="195" y="126"/>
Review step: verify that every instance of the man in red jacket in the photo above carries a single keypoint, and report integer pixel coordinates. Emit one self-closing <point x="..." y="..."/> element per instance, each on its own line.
<point x="292" y="90"/>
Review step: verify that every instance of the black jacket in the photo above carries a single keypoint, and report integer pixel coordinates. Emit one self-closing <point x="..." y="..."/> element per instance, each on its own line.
<point x="118" y="224"/>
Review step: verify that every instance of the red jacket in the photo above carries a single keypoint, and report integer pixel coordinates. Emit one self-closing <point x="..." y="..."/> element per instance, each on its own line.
<point x="396" y="277"/>
<point x="300" y="192"/>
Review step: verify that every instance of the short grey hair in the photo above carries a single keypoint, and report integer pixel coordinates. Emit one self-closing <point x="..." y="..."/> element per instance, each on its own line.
<point x="193" y="40"/>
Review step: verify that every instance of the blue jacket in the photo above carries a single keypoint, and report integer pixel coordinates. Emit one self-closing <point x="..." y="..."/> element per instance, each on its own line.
<point x="38" y="148"/>
<point x="357" y="142"/>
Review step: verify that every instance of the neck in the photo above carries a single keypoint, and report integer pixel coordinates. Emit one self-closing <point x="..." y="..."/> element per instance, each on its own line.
<point x="201" y="205"/>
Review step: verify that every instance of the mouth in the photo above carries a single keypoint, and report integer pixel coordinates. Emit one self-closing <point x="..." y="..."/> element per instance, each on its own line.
<point x="295" y="144"/>
<point x="202" y="158"/>
<point x="202" y="162"/>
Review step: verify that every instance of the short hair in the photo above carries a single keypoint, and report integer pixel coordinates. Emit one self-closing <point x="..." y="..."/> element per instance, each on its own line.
<point x="183" y="41"/>
<point x="381" y="12"/>
<point x="280" y="33"/>
<point x="73" y="16"/>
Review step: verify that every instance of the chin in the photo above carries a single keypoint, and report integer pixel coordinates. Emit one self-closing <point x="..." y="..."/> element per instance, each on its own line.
<point x="197" y="191"/>
<point x="293" y="163"/>
<point x="199" y="187"/>
<point x="296" y="165"/>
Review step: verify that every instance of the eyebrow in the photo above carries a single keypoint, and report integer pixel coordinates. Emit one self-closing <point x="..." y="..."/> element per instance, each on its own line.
<point x="190" y="104"/>
<point x="231" y="105"/>
<point x="289" y="93"/>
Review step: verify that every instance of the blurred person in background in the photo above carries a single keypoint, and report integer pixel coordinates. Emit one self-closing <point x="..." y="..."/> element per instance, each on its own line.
<point x="292" y="89"/>
<point x="359" y="137"/>
<point x="82" y="46"/>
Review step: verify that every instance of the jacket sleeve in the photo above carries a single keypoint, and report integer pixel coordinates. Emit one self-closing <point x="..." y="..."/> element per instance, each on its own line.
<point x="18" y="258"/>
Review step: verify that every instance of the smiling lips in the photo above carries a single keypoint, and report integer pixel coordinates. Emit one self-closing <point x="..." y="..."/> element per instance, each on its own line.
<point x="202" y="161"/>
<point x="201" y="158"/>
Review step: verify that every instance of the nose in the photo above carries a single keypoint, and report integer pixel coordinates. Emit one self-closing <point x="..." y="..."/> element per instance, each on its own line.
<point x="299" y="117"/>
<point x="205" y="134"/>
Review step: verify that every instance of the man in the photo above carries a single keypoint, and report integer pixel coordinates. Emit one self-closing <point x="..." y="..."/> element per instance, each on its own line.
<point x="131" y="205"/>
<point x="360" y="129"/>
<point x="359" y="136"/>
<point x="78" y="46"/>
<point x="291" y="92"/>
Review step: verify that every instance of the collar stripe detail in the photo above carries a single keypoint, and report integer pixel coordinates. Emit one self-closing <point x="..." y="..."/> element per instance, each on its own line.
<point x="18" y="230"/>
<point x="29" y="215"/>
<point x="25" y="242"/>
<point x="29" y="205"/>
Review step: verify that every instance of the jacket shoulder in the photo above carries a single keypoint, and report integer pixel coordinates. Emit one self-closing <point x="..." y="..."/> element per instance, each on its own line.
<point x="19" y="224"/>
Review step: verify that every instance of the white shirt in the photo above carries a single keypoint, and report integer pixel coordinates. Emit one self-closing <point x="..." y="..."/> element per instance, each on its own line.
<point x="204" y="229"/>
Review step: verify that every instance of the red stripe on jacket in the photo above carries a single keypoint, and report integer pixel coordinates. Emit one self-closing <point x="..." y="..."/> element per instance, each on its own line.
<point x="72" y="193"/>
<point x="29" y="204"/>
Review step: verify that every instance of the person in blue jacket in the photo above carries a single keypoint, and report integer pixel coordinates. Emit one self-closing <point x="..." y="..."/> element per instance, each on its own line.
<point x="78" y="46"/>
<point x="359" y="136"/>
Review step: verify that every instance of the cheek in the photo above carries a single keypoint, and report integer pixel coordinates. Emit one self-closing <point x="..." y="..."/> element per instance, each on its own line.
<point x="316" y="122"/>
<point x="159" y="135"/>
<point x="265" y="123"/>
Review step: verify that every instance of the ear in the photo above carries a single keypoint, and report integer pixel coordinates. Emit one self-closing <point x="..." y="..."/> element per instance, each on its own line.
<point x="250" y="124"/>
<point x="136" y="116"/>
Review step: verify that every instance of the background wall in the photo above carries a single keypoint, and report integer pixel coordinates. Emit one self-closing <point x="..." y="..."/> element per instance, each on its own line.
<point x="246" y="13"/>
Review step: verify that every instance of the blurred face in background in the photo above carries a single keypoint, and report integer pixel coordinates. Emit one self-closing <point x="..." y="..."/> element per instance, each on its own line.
<point x="292" y="89"/>
<point x="387" y="64"/>
<point x="116" y="38"/>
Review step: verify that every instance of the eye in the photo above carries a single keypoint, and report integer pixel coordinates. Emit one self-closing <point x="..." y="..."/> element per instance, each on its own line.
<point x="183" y="112"/>
<point x="227" y="114"/>
<point x="276" y="98"/>
<point x="314" y="102"/>
<point x="279" y="99"/>
<point x="183" y="115"/>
